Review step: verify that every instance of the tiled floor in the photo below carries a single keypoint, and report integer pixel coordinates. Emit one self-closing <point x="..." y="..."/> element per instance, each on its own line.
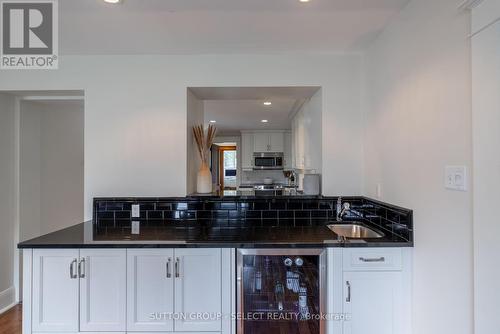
<point x="10" y="321"/>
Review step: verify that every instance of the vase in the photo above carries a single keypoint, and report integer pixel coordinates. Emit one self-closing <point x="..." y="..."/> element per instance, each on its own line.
<point x="204" y="180"/>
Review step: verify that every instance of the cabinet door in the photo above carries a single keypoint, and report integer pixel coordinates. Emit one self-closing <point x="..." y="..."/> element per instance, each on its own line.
<point x="150" y="290"/>
<point x="372" y="301"/>
<point x="276" y="142"/>
<point x="287" y="153"/>
<point x="247" y="150"/>
<point x="299" y="140"/>
<point x="261" y="142"/>
<point x="198" y="291"/>
<point x="55" y="290"/>
<point x="103" y="290"/>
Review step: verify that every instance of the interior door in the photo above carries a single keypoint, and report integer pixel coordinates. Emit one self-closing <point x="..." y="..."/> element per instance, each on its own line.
<point x="55" y="290"/>
<point x="150" y="290"/>
<point x="198" y="291"/>
<point x="103" y="290"/>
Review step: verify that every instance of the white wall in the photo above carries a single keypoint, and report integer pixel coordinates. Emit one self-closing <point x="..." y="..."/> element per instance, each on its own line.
<point x="29" y="171"/>
<point x="417" y="121"/>
<point x="51" y="166"/>
<point x="135" y="113"/>
<point x="486" y="143"/>
<point x="7" y="199"/>
<point x="195" y="116"/>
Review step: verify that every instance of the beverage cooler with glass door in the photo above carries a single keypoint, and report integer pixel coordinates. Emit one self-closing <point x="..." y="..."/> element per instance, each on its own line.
<point x="281" y="291"/>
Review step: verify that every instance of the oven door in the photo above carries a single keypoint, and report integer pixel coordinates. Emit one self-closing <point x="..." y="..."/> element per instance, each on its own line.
<point x="281" y="291"/>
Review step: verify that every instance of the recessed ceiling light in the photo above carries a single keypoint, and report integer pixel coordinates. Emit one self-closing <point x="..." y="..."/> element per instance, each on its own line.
<point x="213" y="121"/>
<point x="267" y="103"/>
<point x="113" y="1"/>
<point x="304" y="0"/>
<point x="264" y="121"/>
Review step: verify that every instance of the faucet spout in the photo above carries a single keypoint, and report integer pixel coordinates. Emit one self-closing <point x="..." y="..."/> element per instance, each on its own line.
<point x="345" y="208"/>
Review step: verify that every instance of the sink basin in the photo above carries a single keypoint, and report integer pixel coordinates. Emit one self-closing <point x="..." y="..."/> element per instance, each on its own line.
<point x="354" y="231"/>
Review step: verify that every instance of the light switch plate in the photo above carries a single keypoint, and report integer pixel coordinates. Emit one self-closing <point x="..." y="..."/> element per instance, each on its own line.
<point x="136" y="211"/>
<point x="378" y="190"/>
<point x="136" y="227"/>
<point x="455" y="178"/>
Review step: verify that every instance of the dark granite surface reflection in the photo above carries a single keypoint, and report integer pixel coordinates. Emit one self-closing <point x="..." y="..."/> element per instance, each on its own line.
<point x="87" y="235"/>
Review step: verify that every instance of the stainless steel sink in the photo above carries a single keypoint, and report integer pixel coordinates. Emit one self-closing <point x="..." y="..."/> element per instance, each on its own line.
<point x="354" y="231"/>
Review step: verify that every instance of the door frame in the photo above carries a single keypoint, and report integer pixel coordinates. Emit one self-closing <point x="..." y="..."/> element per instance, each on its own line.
<point x="221" y="162"/>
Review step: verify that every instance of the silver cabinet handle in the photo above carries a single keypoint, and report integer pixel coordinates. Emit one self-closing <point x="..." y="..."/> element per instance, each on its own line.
<point x="72" y="273"/>
<point x="169" y="274"/>
<point x="348" y="298"/>
<point x="81" y="268"/>
<point x="177" y="274"/>
<point x="378" y="259"/>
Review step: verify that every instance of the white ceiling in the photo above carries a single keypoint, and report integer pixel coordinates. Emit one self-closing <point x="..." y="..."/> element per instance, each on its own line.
<point x="233" y="116"/>
<point x="72" y="100"/>
<point x="242" y="108"/>
<point x="221" y="26"/>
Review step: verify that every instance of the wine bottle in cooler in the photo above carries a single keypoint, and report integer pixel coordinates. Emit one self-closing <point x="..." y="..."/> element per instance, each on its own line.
<point x="303" y="307"/>
<point x="279" y="293"/>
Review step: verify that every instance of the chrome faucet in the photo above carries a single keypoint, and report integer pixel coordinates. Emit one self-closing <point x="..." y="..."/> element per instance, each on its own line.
<point x="342" y="209"/>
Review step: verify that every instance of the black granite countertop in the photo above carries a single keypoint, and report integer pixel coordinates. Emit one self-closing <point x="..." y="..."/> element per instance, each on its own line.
<point x="252" y="194"/>
<point x="87" y="235"/>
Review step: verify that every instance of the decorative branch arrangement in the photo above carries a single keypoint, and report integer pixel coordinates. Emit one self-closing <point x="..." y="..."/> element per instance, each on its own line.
<point x="204" y="143"/>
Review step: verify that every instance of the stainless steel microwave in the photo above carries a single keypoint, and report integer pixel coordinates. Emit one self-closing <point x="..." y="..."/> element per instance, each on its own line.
<point x="266" y="160"/>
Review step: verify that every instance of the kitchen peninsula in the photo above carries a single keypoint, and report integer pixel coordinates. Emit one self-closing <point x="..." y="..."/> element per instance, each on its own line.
<point x="170" y="264"/>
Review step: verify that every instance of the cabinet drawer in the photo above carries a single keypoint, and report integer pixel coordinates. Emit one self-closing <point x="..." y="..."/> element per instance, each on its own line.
<point x="372" y="259"/>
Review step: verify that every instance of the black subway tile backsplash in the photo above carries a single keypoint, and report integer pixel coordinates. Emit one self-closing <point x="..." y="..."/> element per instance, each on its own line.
<point x="251" y="212"/>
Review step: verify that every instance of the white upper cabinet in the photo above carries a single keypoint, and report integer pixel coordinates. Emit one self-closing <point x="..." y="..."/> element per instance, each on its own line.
<point x="103" y="290"/>
<point x="150" y="289"/>
<point x="261" y="142"/>
<point x="247" y="150"/>
<point x="299" y="144"/>
<point x="198" y="288"/>
<point x="55" y="290"/>
<point x="307" y="135"/>
<point x="287" y="153"/>
<point x="276" y="142"/>
<point x="269" y="141"/>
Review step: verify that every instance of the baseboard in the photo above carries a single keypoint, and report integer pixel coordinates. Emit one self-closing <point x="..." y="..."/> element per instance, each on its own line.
<point x="7" y="299"/>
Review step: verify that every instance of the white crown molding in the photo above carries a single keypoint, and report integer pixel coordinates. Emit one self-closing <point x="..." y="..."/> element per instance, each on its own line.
<point x="469" y="4"/>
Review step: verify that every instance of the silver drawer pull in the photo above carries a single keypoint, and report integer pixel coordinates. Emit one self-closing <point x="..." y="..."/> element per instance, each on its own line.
<point x="81" y="268"/>
<point x="177" y="274"/>
<point x="348" y="298"/>
<point x="72" y="273"/>
<point x="169" y="274"/>
<point x="378" y="259"/>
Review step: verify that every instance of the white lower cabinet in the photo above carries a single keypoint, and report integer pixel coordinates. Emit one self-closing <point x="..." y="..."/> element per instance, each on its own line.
<point x="376" y="290"/>
<point x="182" y="288"/>
<point x="185" y="290"/>
<point x="78" y="290"/>
<point x="198" y="290"/>
<point x="103" y="281"/>
<point x="135" y="290"/>
<point x="150" y="290"/>
<point x="55" y="290"/>
<point x="371" y="302"/>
